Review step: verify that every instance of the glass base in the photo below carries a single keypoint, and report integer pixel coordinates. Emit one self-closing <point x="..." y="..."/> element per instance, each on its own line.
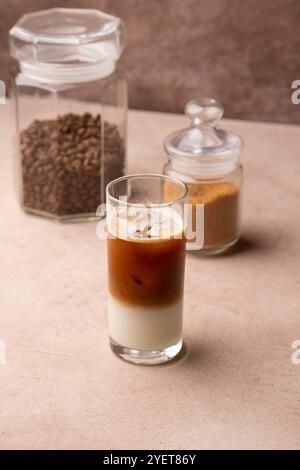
<point x="72" y="218"/>
<point x="147" y="358"/>
<point x="217" y="250"/>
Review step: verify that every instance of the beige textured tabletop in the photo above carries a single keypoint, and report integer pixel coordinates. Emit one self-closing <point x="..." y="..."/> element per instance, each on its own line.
<point x="235" y="386"/>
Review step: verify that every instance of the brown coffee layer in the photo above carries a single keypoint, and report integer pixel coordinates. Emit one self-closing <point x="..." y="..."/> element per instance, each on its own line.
<point x="150" y="273"/>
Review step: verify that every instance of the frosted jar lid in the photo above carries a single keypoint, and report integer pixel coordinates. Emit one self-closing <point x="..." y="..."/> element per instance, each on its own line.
<point x="67" y="44"/>
<point x="204" y="145"/>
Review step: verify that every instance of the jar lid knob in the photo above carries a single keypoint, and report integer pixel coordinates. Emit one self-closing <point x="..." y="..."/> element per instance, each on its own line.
<point x="205" y="111"/>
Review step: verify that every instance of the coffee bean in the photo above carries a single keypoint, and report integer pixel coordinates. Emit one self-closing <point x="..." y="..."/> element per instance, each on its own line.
<point x="62" y="161"/>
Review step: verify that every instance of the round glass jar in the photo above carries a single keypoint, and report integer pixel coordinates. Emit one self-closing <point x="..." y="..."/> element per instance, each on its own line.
<point x="207" y="159"/>
<point x="70" y="101"/>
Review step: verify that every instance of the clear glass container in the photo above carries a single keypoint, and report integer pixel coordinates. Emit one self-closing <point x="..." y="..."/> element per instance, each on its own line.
<point x="146" y="261"/>
<point x="207" y="159"/>
<point x="70" y="100"/>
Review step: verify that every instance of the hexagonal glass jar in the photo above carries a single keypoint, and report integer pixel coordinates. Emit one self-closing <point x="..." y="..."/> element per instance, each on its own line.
<point x="70" y="100"/>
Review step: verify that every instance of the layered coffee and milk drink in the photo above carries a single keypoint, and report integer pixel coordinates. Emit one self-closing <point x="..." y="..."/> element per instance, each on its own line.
<point x="146" y="256"/>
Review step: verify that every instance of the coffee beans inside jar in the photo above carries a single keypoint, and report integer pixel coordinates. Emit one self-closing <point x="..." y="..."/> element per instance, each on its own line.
<point x="63" y="168"/>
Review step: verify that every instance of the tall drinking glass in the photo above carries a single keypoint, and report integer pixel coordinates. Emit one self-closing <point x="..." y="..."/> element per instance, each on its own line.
<point x="146" y="258"/>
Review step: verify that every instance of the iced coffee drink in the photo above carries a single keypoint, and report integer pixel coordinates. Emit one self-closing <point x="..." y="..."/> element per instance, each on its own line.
<point x="146" y="257"/>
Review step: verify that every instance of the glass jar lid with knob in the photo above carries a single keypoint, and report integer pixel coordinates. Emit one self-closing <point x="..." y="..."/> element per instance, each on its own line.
<point x="203" y="147"/>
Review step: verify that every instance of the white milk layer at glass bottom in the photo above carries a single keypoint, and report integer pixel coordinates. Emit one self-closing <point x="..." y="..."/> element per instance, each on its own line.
<point x="145" y="328"/>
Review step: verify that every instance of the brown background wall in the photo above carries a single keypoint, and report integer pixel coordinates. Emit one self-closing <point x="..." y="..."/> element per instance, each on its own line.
<point x="243" y="52"/>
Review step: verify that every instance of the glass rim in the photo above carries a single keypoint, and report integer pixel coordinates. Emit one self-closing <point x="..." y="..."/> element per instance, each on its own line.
<point x="147" y="175"/>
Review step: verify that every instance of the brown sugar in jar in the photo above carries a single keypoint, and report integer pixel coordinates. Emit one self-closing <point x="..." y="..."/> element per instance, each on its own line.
<point x="207" y="159"/>
<point x="221" y="211"/>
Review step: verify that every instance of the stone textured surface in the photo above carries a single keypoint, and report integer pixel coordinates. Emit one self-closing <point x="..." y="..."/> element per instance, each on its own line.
<point x="245" y="53"/>
<point x="235" y="385"/>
